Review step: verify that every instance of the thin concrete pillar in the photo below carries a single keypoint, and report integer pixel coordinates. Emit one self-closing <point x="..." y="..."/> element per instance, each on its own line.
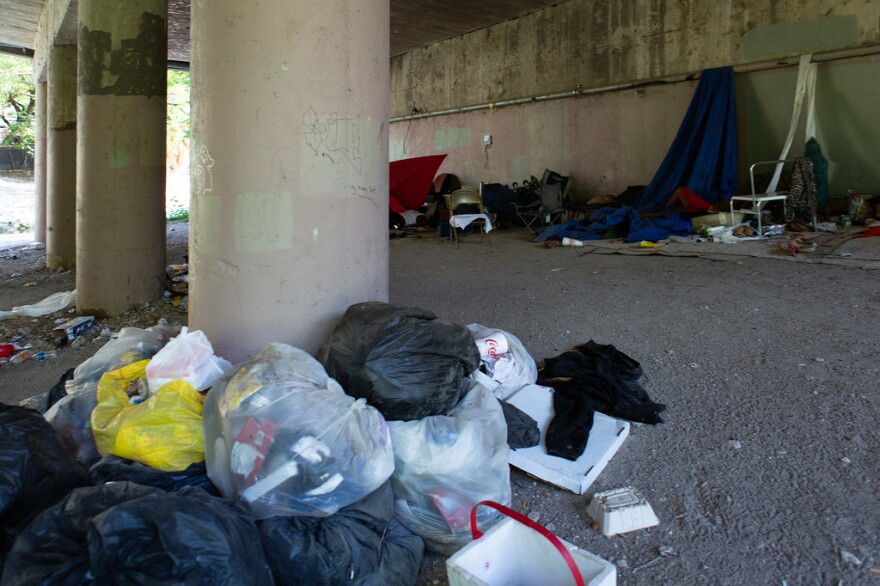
<point x="40" y="162"/>
<point x="61" y="159"/>
<point x="122" y="89"/>
<point x="289" y="168"/>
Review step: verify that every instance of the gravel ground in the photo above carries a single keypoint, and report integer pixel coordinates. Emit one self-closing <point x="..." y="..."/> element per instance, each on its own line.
<point x="766" y="470"/>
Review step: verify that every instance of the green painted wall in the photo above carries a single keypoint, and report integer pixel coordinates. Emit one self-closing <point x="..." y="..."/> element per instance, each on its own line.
<point x="847" y="120"/>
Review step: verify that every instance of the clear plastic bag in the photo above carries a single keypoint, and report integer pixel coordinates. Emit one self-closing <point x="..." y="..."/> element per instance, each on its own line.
<point x="284" y="437"/>
<point x="131" y="345"/>
<point x="51" y="304"/>
<point x="444" y="465"/>
<point x="188" y="357"/>
<point x="71" y="417"/>
<point x="164" y="431"/>
<point x="504" y="359"/>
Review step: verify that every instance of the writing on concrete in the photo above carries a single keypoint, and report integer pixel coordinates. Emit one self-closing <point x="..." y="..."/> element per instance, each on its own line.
<point x="338" y="139"/>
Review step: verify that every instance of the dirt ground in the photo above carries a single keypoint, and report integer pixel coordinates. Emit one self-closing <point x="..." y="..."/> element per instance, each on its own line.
<point x="766" y="471"/>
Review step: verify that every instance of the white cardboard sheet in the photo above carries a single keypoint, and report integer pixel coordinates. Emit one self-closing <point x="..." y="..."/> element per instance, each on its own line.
<point x="606" y="437"/>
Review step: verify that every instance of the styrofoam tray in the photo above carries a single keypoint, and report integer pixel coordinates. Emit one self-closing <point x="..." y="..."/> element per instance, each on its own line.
<point x="606" y="437"/>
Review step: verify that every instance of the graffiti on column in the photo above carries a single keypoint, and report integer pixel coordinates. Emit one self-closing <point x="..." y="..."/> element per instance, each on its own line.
<point x="338" y="139"/>
<point x="202" y="171"/>
<point x="136" y="68"/>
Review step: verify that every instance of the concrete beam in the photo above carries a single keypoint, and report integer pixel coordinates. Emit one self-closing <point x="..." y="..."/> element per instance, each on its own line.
<point x="57" y="27"/>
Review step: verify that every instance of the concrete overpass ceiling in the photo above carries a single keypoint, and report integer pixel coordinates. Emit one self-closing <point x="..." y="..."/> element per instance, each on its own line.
<point x="414" y="23"/>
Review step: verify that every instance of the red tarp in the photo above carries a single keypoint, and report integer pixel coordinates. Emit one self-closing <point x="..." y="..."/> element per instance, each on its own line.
<point x="409" y="181"/>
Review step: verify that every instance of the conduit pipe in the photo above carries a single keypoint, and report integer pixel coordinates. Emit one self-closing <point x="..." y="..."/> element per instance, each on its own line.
<point x="580" y="91"/>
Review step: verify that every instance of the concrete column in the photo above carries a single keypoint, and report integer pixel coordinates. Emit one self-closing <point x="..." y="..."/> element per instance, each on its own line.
<point x="120" y="257"/>
<point x="40" y="162"/>
<point x="61" y="159"/>
<point x="289" y="168"/>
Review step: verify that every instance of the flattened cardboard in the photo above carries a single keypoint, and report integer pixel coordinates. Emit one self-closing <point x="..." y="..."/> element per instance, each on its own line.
<point x="606" y="437"/>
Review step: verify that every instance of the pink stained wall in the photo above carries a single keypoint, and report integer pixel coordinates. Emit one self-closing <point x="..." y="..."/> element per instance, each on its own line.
<point x="605" y="141"/>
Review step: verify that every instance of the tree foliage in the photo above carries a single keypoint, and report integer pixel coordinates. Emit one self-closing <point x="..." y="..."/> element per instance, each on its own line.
<point x="17" y="102"/>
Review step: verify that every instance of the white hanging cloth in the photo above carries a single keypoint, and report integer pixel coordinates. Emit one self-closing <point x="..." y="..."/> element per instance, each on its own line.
<point x="806" y="87"/>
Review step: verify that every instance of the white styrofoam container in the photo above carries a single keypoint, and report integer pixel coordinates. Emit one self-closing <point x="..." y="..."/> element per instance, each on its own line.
<point x="621" y="510"/>
<point x="606" y="437"/>
<point x="512" y="554"/>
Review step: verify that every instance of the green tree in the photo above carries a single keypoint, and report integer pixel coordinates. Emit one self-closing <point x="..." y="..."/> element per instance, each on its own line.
<point x="17" y="102"/>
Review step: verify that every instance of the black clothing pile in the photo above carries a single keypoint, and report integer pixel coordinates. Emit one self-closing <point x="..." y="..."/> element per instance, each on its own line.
<point x="594" y="377"/>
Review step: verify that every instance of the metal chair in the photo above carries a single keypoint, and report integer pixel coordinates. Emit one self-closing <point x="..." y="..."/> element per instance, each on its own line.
<point x="759" y="200"/>
<point x="466" y="208"/>
<point x="548" y="209"/>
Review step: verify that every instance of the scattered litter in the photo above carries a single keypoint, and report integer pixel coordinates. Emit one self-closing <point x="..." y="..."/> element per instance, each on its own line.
<point x="846" y="460"/>
<point x="623" y="564"/>
<point x="666" y="551"/>
<point x="519" y="551"/>
<point x="572" y="242"/>
<point x="694" y="365"/>
<point x="14" y="275"/>
<point x="35" y="246"/>
<point x="850" y="558"/>
<point x="30" y="284"/>
<point x="535" y="516"/>
<point x="621" y="510"/>
<point x="51" y="304"/>
<point x="735" y="444"/>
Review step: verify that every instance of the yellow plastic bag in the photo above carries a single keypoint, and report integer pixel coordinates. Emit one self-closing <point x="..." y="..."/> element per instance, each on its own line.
<point x="164" y="432"/>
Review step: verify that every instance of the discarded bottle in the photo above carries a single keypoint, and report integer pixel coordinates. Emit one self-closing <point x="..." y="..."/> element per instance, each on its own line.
<point x="21" y="357"/>
<point x="46" y="355"/>
<point x="6" y="350"/>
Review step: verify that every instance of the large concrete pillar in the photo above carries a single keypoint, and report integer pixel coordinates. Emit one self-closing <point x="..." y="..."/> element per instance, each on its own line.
<point x="120" y="257"/>
<point x="40" y="161"/>
<point x="61" y="159"/>
<point x="289" y="168"/>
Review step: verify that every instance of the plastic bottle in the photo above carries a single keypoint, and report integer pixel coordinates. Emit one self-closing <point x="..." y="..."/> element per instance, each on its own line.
<point x="22" y="356"/>
<point x="46" y="355"/>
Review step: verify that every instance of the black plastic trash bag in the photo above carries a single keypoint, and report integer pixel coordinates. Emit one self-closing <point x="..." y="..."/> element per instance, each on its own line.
<point x="404" y="361"/>
<point x="54" y="548"/>
<point x="360" y="545"/>
<point x="115" y="469"/>
<point x="522" y="429"/>
<point x="187" y="537"/>
<point x="35" y="471"/>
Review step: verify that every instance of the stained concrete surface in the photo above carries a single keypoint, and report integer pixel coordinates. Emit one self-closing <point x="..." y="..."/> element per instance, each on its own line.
<point x="766" y="470"/>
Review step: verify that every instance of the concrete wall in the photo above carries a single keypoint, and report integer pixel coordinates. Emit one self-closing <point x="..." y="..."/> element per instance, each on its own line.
<point x="611" y="140"/>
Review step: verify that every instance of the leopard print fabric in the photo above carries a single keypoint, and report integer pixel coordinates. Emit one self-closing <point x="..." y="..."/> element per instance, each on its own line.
<point x="802" y="194"/>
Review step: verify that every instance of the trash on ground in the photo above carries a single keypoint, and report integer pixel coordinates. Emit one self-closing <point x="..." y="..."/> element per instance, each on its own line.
<point x="446" y="464"/>
<point x="505" y="364"/>
<point x="77" y="327"/>
<point x="285" y="438"/>
<point x="361" y="544"/>
<point x="51" y="304"/>
<point x="162" y="429"/>
<point x="37" y="472"/>
<point x="621" y="510"/>
<point x="517" y="550"/>
<point x="190" y="358"/>
<point x="405" y="361"/>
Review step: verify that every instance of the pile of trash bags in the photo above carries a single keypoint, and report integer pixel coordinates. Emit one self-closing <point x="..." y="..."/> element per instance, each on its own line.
<point x="163" y="463"/>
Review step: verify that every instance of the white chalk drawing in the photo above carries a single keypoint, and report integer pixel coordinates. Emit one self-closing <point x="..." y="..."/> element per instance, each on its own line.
<point x="364" y="191"/>
<point x="338" y="139"/>
<point x="202" y="171"/>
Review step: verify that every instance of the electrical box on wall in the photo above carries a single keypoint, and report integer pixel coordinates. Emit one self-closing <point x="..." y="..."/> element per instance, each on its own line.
<point x="487" y="139"/>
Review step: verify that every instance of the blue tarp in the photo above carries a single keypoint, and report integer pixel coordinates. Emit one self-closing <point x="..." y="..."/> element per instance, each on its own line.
<point x="703" y="156"/>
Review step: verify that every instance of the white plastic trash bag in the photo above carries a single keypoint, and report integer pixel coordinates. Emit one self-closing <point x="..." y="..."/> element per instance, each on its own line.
<point x="444" y="465"/>
<point x="51" y="304"/>
<point x="188" y="357"/>
<point x="284" y="437"/>
<point x="504" y="360"/>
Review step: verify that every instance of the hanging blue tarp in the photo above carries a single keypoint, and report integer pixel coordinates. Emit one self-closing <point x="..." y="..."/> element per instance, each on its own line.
<point x="703" y="156"/>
